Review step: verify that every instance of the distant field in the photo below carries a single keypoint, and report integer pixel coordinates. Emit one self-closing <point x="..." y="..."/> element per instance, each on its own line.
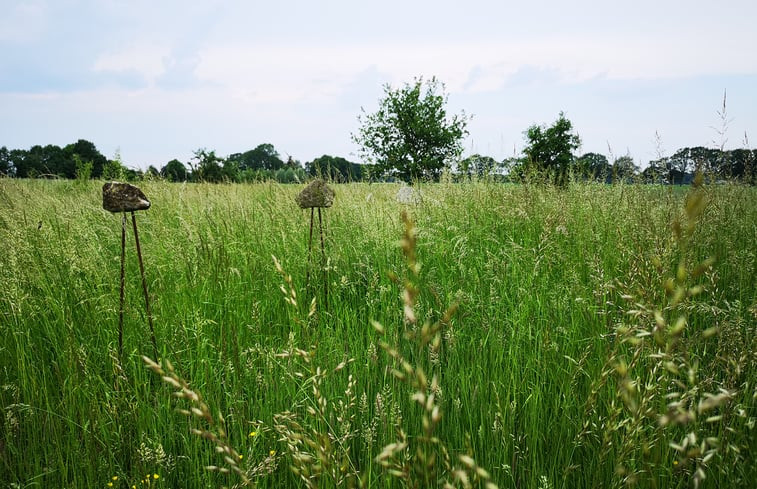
<point x="555" y="371"/>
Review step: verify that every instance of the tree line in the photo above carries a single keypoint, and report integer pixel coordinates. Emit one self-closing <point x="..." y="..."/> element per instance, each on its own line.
<point x="82" y="160"/>
<point x="547" y="156"/>
<point x="409" y="138"/>
<point x="550" y="154"/>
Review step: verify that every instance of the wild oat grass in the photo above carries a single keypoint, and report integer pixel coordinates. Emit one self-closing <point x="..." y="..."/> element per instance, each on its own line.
<point x="595" y="342"/>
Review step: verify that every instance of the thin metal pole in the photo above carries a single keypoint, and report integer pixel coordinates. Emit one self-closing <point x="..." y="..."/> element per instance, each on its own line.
<point x="323" y="262"/>
<point x="121" y="304"/>
<point x="144" y="287"/>
<point x="310" y="248"/>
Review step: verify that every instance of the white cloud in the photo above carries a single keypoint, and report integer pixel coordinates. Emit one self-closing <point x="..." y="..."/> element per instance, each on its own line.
<point x="23" y="22"/>
<point x="288" y="73"/>
<point x="147" y="59"/>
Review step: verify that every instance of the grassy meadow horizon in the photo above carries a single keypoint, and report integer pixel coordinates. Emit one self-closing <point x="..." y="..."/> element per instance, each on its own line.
<point x="522" y="336"/>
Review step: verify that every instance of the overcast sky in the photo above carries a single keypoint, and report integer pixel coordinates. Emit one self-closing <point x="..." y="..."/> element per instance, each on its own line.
<point x="159" y="79"/>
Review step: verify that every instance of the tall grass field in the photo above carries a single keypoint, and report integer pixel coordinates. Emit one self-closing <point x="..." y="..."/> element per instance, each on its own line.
<point x="475" y="335"/>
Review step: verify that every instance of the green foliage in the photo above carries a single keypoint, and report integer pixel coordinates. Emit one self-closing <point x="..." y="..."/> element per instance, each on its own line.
<point x="174" y="171"/>
<point x="335" y="169"/>
<point x="52" y="160"/>
<point x="592" y="166"/>
<point x="550" y="149"/>
<point x="624" y="169"/>
<point x="410" y="137"/>
<point x="714" y="163"/>
<point x="87" y="151"/>
<point x="151" y="173"/>
<point x="114" y="169"/>
<point x="285" y="175"/>
<point x="206" y="166"/>
<point x="83" y="169"/>
<point x="478" y="166"/>
<point x="263" y="157"/>
<point x="6" y="163"/>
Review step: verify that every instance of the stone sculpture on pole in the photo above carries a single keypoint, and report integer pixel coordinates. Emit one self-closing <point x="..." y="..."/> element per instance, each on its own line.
<point x="122" y="198"/>
<point x="317" y="195"/>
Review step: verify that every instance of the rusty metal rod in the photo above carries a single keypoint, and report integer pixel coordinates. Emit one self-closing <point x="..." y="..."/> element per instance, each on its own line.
<point x="121" y="304"/>
<point x="144" y="287"/>
<point x="310" y="248"/>
<point x="323" y="263"/>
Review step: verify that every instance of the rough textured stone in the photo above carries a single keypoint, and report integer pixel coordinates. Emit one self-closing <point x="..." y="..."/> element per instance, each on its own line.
<point x="316" y="194"/>
<point x="123" y="197"/>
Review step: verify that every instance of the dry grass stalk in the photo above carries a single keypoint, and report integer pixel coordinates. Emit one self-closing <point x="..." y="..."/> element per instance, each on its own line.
<point x="654" y="363"/>
<point x="423" y="460"/>
<point x="214" y="430"/>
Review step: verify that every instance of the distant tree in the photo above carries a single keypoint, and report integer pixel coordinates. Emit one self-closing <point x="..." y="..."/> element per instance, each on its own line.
<point x="550" y="149"/>
<point x="206" y="166"/>
<point x="67" y="162"/>
<point x="114" y="170"/>
<point x="230" y="170"/>
<point x="410" y="137"/>
<point x="263" y="157"/>
<point x="511" y="166"/>
<point x="656" y="171"/>
<point x="44" y="160"/>
<point x="687" y="160"/>
<point x="17" y="159"/>
<point x="6" y="163"/>
<point x="83" y="168"/>
<point x="477" y="165"/>
<point x="174" y="171"/>
<point x="87" y="151"/>
<point x="593" y="166"/>
<point x="624" y="168"/>
<point x="714" y="162"/>
<point x="741" y="164"/>
<point x="292" y="163"/>
<point x="152" y="172"/>
<point x="132" y="175"/>
<point x="335" y="168"/>
<point x="254" y="175"/>
<point x="27" y="165"/>
<point x="284" y="175"/>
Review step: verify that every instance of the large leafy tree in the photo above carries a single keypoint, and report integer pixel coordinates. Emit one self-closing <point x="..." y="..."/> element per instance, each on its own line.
<point x="335" y="168"/>
<point x="263" y="157"/>
<point x="174" y="171"/>
<point x="656" y="171"/>
<point x="206" y="166"/>
<point x="624" y="168"/>
<point x="551" y="148"/>
<point x="741" y="164"/>
<point x="44" y="160"/>
<point x="6" y="163"/>
<point x="411" y="137"/>
<point x="478" y="165"/>
<point x="593" y="166"/>
<point x="87" y="152"/>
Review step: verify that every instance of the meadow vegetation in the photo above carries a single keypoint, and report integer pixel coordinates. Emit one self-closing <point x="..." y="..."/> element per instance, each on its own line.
<point x="485" y="334"/>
